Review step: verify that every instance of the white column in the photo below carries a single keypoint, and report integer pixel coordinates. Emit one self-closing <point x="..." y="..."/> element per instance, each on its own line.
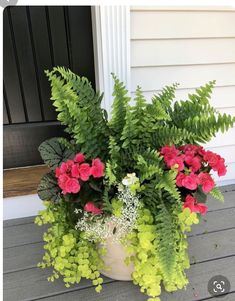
<point x="111" y="35"/>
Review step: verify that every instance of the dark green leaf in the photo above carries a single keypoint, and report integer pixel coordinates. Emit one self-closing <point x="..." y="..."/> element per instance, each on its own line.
<point x="53" y="152"/>
<point x="200" y="195"/>
<point x="48" y="189"/>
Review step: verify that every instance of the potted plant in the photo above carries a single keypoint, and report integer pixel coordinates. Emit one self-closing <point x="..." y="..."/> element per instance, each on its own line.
<point x="123" y="193"/>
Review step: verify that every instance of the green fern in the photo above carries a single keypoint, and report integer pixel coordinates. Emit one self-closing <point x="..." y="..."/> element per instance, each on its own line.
<point x="168" y="183"/>
<point x="217" y="194"/>
<point x="80" y="111"/>
<point x="119" y="107"/>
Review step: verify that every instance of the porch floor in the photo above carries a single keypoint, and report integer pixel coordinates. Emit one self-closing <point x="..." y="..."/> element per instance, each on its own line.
<point x="212" y="252"/>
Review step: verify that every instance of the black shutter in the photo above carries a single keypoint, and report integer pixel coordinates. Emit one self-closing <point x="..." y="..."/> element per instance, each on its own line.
<point x="36" y="38"/>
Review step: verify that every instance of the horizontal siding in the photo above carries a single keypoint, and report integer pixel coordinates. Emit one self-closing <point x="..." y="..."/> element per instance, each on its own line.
<point x="154" y="78"/>
<point x="191" y="47"/>
<point x="182" y="52"/>
<point x="181" y="24"/>
<point x="222" y="97"/>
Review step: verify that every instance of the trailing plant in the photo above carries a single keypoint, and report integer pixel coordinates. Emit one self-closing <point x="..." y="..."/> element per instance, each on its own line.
<point x="140" y="177"/>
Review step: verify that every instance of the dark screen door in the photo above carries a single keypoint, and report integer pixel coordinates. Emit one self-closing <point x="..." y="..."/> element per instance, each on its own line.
<point x="36" y="38"/>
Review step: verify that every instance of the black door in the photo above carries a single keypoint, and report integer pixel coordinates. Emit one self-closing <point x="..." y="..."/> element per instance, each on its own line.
<point x="36" y="38"/>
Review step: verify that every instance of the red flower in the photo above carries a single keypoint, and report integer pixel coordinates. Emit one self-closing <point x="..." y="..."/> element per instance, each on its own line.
<point x="90" y="207"/>
<point x="63" y="167"/>
<point x="75" y="171"/>
<point x="57" y="172"/>
<point x="222" y="170"/>
<point x="191" y="203"/>
<point x="179" y="179"/>
<point x="211" y="158"/>
<point x="79" y="158"/>
<point x="71" y="186"/>
<point x="97" y="168"/>
<point x="169" y="150"/>
<point x="62" y="180"/>
<point x="85" y="171"/>
<point x="190" y="181"/>
<point x="193" y="162"/>
<point x="206" y="181"/>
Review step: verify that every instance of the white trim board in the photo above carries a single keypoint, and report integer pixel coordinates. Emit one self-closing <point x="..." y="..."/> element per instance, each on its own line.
<point x="21" y="206"/>
<point x="111" y="39"/>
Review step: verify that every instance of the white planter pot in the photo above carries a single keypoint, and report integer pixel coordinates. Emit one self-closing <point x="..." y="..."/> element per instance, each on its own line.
<point x="114" y="260"/>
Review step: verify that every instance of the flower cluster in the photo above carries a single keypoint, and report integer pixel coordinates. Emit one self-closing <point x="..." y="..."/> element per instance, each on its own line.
<point x="96" y="227"/>
<point x="72" y="173"/>
<point x="191" y="203"/>
<point x="193" y="163"/>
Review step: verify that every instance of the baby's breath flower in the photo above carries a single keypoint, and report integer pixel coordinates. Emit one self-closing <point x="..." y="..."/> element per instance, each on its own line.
<point x="99" y="228"/>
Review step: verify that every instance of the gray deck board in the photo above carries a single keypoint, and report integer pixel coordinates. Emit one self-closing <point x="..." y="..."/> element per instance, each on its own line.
<point x="201" y="248"/>
<point x="211" y="250"/>
<point x="30" y="233"/>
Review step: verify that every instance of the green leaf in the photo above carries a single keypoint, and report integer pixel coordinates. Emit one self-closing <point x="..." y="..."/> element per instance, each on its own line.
<point x="217" y="194"/>
<point x="200" y="195"/>
<point x="48" y="189"/>
<point x="53" y="152"/>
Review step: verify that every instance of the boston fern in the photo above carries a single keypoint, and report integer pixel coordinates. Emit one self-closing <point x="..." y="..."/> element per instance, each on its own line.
<point x="148" y="149"/>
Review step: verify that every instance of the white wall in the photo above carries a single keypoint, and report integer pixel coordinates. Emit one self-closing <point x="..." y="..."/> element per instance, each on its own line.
<point x="191" y="47"/>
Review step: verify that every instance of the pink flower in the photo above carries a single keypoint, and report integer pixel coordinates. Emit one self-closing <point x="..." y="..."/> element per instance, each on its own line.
<point x="193" y="162"/>
<point x="62" y="180"/>
<point x="71" y="186"/>
<point x="211" y="158"/>
<point x="57" y="172"/>
<point x="179" y="179"/>
<point x="75" y="171"/>
<point x="85" y="171"/>
<point x="63" y="167"/>
<point x="97" y="169"/>
<point x="206" y="181"/>
<point x="90" y="207"/>
<point x="190" y="181"/>
<point x="191" y="203"/>
<point x="202" y="208"/>
<point x="79" y="158"/>
<point x="170" y="150"/>
<point x="222" y="170"/>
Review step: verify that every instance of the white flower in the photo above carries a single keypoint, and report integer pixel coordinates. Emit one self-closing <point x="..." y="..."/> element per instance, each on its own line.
<point x="130" y="179"/>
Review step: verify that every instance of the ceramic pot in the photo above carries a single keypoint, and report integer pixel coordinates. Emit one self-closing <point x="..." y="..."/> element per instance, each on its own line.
<point x="114" y="260"/>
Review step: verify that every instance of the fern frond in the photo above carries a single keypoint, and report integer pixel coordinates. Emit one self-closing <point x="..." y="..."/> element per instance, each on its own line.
<point x="168" y="183"/>
<point x="217" y="194"/>
<point x="119" y="107"/>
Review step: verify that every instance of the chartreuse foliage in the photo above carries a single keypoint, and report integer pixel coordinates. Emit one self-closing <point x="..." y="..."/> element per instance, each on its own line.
<point x="152" y="250"/>
<point x="69" y="254"/>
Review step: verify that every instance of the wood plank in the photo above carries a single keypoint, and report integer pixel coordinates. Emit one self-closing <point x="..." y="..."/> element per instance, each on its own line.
<point x="43" y="57"/>
<point x="30" y="233"/>
<point x="199" y="276"/>
<point x="182" y="52"/>
<point x="229" y="201"/>
<point x="22" y="235"/>
<point x="31" y="284"/>
<point x="215" y="221"/>
<point x="18" y="221"/>
<point x="11" y="71"/>
<point x="22" y="181"/>
<point x="201" y="248"/>
<point x="26" y="62"/>
<point x="59" y="36"/>
<point x="81" y="47"/>
<point x="178" y="24"/>
<point x="199" y="75"/>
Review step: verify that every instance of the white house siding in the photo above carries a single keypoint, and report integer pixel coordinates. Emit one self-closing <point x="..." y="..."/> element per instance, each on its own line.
<point x="191" y="47"/>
